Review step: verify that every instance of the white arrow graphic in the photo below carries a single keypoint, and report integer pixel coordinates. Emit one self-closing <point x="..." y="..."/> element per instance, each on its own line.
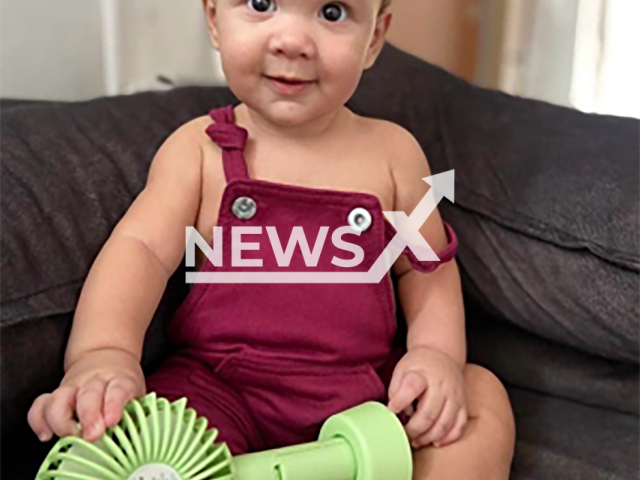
<point x="408" y="228"/>
<point x="442" y="185"/>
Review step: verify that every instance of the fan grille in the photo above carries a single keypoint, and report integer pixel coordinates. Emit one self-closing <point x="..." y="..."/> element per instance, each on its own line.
<point x="154" y="440"/>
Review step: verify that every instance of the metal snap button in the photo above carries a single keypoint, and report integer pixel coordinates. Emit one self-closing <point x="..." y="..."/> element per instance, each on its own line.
<point x="244" y="208"/>
<point x="360" y="219"/>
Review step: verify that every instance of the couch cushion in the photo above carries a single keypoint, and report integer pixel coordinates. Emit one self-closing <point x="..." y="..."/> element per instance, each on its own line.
<point x="547" y="203"/>
<point x="69" y="173"/>
<point x="528" y="361"/>
<point x="32" y="355"/>
<point x="560" y="439"/>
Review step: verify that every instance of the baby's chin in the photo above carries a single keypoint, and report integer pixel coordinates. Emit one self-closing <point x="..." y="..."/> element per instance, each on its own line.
<point x="290" y="113"/>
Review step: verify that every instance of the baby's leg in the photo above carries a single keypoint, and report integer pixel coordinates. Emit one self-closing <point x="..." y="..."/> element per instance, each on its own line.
<point x="224" y="409"/>
<point x="485" y="451"/>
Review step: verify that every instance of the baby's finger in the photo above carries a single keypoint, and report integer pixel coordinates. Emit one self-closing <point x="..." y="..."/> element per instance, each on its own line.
<point x="89" y="407"/>
<point x="443" y="426"/>
<point x="36" y="419"/>
<point x="396" y="380"/>
<point x="412" y="386"/>
<point x="118" y="392"/>
<point x="429" y="409"/>
<point x="58" y="412"/>
<point x="456" y="432"/>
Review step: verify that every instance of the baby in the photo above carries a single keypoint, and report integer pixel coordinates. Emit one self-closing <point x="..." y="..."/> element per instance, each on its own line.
<point x="267" y="363"/>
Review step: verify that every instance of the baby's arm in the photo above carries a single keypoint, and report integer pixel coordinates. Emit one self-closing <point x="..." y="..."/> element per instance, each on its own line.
<point x="432" y="303"/>
<point x="120" y="295"/>
<point x="129" y="276"/>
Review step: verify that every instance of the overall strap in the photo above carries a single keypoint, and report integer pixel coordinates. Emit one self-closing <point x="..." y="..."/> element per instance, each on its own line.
<point x="232" y="139"/>
<point x="446" y="255"/>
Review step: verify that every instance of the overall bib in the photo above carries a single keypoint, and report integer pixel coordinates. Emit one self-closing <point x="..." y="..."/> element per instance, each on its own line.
<point x="267" y="364"/>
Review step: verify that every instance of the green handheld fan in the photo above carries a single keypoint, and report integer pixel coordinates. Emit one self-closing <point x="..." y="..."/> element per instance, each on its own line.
<point x="158" y="440"/>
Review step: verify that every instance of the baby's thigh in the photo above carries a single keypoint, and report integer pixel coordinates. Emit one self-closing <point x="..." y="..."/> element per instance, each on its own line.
<point x="485" y="450"/>
<point x="224" y="409"/>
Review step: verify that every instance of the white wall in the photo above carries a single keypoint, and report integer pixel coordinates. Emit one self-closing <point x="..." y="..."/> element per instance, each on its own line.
<point x="59" y="49"/>
<point x="606" y="68"/>
<point x="539" y="46"/>
<point x="50" y="49"/>
<point x="550" y="59"/>
<point x="618" y="91"/>
<point x="164" y="37"/>
<point x="577" y="53"/>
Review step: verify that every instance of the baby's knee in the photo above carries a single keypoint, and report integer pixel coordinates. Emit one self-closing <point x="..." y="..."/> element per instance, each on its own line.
<point x="488" y="401"/>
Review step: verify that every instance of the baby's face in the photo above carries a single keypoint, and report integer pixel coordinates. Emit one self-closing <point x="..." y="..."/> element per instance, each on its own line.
<point x="295" y="60"/>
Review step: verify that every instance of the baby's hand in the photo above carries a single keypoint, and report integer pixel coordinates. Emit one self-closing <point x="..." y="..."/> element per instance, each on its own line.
<point x="94" y="390"/>
<point x="436" y="382"/>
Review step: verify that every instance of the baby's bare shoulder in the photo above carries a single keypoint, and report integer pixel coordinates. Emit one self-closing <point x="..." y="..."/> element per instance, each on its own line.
<point x="195" y="129"/>
<point x="180" y="155"/>
<point x="185" y="144"/>
<point x="394" y="142"/>
<point x="189" y="135"/>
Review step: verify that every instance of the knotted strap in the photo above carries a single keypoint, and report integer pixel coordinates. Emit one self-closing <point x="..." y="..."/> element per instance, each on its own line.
<point x="428" y="266"/>
<point x="228" y="135"/>
<point x="232" y="139"/>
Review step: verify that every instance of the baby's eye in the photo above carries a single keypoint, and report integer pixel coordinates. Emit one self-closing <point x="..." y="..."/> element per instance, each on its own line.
<point x="334" y="12"/>
<point x="262" y="6"/>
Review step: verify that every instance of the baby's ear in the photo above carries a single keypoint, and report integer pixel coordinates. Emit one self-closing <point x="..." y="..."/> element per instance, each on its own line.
<point x="210" y="13"/>
<point x="378" y="39"/>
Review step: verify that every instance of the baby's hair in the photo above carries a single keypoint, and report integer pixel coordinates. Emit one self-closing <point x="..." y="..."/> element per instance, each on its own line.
<point x="385" y="5"/>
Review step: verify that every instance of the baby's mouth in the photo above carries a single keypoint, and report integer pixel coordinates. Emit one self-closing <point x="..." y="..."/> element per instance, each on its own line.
<point x="289" y="86"/>
<point x="289" y="80"/>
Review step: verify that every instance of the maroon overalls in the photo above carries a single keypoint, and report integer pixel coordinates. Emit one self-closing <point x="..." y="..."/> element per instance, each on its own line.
<point x="267" y="364"/>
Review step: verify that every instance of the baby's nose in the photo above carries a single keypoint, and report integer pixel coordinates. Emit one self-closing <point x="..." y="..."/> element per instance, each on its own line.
<point x="293" y="41"/>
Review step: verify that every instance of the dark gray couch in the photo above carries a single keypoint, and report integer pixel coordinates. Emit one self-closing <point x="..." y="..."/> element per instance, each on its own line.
<point x="547" y="207"/>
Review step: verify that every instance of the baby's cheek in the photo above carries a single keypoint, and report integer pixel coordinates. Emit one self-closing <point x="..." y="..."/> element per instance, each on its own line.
<point x="240" y="72"/>
<point x="238" y="57"/>
<point x="344" y="73"/>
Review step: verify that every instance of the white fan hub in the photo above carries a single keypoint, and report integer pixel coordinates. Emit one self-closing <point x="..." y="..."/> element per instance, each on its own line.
<point x="155" y="471"/>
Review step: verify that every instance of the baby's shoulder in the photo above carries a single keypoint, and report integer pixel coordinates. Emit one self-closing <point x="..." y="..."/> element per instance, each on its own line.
<point x="181" y="152"/>
<point x="395" y="142"/>
<point x="194" y="129"/>
<point x="379" y="125"/>
<point x="188" y="137"/>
